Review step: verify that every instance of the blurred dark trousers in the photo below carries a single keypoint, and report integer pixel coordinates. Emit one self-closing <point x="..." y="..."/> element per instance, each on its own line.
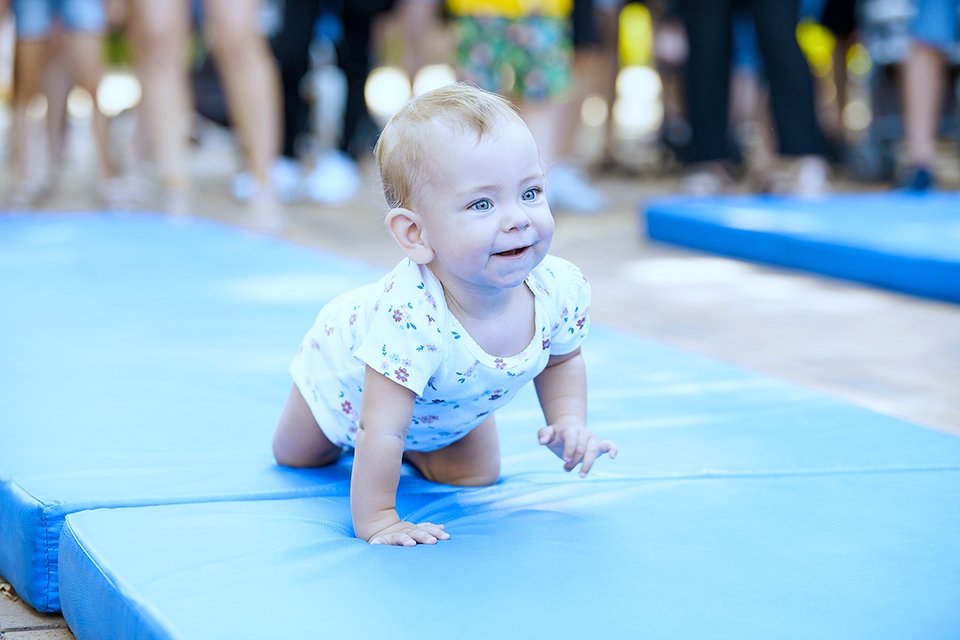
<point x="709" y="29"/>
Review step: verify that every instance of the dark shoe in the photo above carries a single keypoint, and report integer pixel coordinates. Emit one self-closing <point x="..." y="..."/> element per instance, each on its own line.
<point x="917" y="179"/>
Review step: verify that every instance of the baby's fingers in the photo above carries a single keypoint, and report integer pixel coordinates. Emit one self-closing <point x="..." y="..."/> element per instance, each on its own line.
<point x="609" y="447"/>
<point x="434" y="530"/>
<point x="546" y="435"/>
<point x="575" y="448"/>
<point x="593" y="450"/>
<point x="395" y="540"/>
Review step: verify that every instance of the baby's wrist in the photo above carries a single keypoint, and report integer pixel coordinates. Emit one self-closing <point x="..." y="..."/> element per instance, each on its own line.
<point x="368" y="526"/>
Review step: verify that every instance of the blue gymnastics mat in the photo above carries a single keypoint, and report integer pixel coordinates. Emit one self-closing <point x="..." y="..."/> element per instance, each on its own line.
<point x="904" y="242"/>
<point x="172" y="340"/>
<point x="143" y="361"/>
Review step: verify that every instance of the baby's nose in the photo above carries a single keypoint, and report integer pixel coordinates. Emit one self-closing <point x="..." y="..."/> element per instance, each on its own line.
<point x="515" y="217"/>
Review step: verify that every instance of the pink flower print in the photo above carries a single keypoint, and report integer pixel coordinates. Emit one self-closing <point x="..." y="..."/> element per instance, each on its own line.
<point x="329" y="330"/>
<point x="433" y="303"/>
<point x="430" y="319"/>
<point x="580" y="322"/>
<point x="401" y="374"/>
<point x="397" y="315"/>
<point x="500" y="364"/>
<point x="353" y="319"/>
<point x="496" y="395"/>
<point x="546" y="343"/>
<point x="347" y="408"/>
<point x="389" y="287"/>
<point x="407" y="362"/>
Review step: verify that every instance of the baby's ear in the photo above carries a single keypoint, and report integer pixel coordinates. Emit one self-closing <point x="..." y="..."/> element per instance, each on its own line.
<point x="405" y="227"/>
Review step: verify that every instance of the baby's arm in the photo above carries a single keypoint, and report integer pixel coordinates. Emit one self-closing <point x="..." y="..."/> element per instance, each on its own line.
<point x="562" y="390"/>
<point x="385" y="413"/>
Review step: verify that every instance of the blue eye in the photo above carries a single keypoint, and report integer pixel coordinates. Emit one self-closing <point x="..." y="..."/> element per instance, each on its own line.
<point x="481" y="205"/>
<point x="531" y="194"/>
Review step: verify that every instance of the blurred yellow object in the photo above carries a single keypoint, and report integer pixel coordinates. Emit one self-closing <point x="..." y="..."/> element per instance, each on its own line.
<point x="636" y="36"/>
<point x="858" y="60"/>
<point x="817" y="44"/>
<point x="511" y="8"/>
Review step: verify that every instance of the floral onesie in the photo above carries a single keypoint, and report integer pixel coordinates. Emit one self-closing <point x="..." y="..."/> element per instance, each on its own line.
<point x="401" y="327"/>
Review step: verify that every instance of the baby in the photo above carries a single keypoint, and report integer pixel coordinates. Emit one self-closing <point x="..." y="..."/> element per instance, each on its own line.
<point x="413" y="366"/>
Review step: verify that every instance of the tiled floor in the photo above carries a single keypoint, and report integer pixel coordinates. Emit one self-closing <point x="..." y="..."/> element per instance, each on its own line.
<point x="892" y="353"/>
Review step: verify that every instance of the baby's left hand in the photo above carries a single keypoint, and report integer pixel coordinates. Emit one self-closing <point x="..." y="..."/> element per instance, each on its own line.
<point x="574" y="443"/>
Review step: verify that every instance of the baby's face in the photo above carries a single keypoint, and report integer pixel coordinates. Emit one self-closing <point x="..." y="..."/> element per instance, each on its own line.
<point x="483" y="208"/>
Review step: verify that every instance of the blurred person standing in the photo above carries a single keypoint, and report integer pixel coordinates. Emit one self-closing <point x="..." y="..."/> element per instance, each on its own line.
<point x="935" y="32"/>
<point x="523" y="49"/>
<point x="349" y="27"/>
<point x="80" y="25"/>
<point x="250" y="80"/>
<point x="709" y="25"/>
<point x="595" y="36"/>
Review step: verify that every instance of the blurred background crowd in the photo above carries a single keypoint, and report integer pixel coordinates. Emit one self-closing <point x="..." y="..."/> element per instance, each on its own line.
<point x="771" y="96"/>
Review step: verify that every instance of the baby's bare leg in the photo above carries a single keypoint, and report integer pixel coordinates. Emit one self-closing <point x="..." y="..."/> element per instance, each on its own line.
<point x="472" y="461"/>
<point x="298" y="440"/>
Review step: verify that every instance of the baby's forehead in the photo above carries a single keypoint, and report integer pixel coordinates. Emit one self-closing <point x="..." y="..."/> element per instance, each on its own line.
<point x="439" y="142"/>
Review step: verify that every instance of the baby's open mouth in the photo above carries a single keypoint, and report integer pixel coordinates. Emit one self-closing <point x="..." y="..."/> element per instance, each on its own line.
<point x="512" y="252"/>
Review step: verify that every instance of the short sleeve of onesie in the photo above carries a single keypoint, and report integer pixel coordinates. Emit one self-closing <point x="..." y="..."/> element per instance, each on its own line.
<point x="568" y="291"/>
<point x="403" y="334"/>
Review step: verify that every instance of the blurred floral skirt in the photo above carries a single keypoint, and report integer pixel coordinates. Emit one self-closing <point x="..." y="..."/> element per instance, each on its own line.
<point x="527" y="57"/>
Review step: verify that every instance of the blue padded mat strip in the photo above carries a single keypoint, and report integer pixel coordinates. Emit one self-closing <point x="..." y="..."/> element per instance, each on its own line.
<point x="833" y="556"/>
<point x="904" y="242"/>
<point x="145" y="364"/>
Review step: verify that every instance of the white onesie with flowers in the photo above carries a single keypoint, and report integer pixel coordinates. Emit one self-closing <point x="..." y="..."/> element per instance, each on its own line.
<point x="401" y="327"/>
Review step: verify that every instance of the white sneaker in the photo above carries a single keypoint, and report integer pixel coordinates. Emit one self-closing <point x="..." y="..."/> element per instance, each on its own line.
<point x="813" y="177"/>
<point x="287" y="178"/>
<point x="705" y="179"/>
<point x="569" y="189"/>
<point x="334" y="180"/>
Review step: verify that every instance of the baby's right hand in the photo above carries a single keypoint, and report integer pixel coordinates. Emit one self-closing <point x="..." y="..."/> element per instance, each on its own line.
<point x="407" y="534"/>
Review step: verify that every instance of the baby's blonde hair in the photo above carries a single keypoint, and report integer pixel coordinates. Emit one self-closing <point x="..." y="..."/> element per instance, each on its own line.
<point x="404" y="144"/>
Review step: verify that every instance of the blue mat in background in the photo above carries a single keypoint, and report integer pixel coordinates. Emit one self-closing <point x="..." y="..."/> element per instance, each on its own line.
<point x="144" y="363"/>
<point x="904" y="242"/>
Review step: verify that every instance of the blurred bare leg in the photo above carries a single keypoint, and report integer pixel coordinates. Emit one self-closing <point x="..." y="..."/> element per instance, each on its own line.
<point x="31" y="56"/>
<point x="251" y="81"/>
<point x="86" y="52"/>
<point x="545" y="119"/>
<point x="922" y="103"/>
<point x="57" y="82"/>
<point x="160" y="31"/>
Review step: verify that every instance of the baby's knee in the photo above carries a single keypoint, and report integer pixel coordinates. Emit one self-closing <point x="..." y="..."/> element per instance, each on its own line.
<point x="482" y="475"/>
<point x="287" y="454"/>
<point x="477" y="479"/>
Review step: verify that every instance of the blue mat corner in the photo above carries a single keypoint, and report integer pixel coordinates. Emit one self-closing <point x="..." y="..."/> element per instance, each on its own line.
<point x="904" y="242"/>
